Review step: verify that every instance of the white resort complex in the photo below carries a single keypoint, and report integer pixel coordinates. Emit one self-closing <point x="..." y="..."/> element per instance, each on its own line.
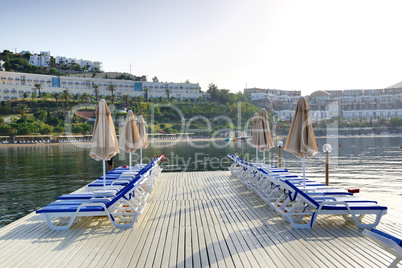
<point x="361" y="104"/>
<point x="14" y="85"/>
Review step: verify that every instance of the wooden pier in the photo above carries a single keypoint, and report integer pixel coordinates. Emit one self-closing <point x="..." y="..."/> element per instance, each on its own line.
<point x="195" y="219"/>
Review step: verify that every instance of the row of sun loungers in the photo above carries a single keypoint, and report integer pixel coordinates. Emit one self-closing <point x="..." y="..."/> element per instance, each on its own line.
<point x="284" y="193"/>
<point x="299" y="205"/>
<point x="123" y="200"/>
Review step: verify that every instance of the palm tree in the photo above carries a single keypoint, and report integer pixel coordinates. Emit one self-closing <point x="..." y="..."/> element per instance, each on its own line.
<point x="81" y="97"/>
<point x="56" y="96"/>
<point x="65" y="95"/>
<point x="96" y="91"/>
<point x="125" y="98"/>
<point x="146" y="94"/>
<point x="85" y="96"/>
<point x="38" y="87"/>
<point x="112" y="88"/>
<point x="22" y="108"/>
<point x="168" y="91"/>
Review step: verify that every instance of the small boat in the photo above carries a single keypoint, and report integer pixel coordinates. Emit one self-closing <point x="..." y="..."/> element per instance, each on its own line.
<point x="243" y="137"/>
<point x="231" y="137"/>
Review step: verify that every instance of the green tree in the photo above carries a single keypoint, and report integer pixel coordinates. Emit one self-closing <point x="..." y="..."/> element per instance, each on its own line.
<point x="112" y="88"/>
<point x="395" y="122"/>
<point x="22" y="108"/>
<point x="56" y="96"/>
<point x="86" y="128"/>
<point x="6" y="130"/>
<point x="146" y="94"/>
<point x="45" y="130"/>
<point x="168" y="91"/>
<point x="65" y="95"/>
<point x="58" y="129"/>
<point x="53" y="71"/>
<point x="7" y="66"/>
<point x="52" y="62"/>
<point x="76" y="129"/>
<point x="77" y="67"/>
<point x="39" y="114"/>
<point x="38" y="87"/>
<point x="96" y="91"/>
<point x="212" y="90"/>
<point x="126" y="99"/>
<point x="46" y="95"/>
<point x="24" y="130"/>
<point x="84" y="97"/>
<point x="155" y="79"/>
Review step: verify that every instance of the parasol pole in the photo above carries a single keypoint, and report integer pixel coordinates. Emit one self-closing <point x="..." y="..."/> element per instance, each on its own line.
<point x="104" y="175"/>
<point x="256" y="154"/>
<point x="130" y="163"/>
<point x="304" y="173"/>
<point x="141" y="155"/>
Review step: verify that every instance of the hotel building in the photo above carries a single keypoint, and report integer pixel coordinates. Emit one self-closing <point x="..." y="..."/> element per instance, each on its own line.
<point x="349" y="104"/>
<point x="14" y="85"/>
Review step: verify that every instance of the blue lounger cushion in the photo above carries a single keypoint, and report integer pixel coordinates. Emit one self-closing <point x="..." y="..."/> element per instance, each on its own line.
<point x="110" y="176"/>
<point x="68" y="208"/>
<point x="356" y="206"/>
<point x="75" y="196"/>
<point x="79" y="202"/>
<point x="362" y="205"/>
<point x="100" y="184"/>
<point x="395" y="239"/>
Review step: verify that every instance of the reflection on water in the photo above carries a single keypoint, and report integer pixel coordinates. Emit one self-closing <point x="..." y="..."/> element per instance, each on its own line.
<point x="34" y="176"/>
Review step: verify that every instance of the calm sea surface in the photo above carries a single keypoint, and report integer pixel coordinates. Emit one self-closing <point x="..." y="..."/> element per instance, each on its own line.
<point x="32" y="177"/>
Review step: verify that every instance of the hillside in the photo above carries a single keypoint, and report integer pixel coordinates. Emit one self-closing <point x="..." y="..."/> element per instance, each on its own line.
<point x="107" y="75"/>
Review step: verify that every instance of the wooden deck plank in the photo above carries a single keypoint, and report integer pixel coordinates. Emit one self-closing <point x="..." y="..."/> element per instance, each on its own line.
<point x="196" y="219"/>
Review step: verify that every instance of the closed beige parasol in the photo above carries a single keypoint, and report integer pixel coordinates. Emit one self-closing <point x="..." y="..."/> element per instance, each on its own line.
<point x="261" y="138"/>
<point x="254" y="136"/>
<point x="104" y="142"/>
<point x="141" y="128"/>
<point x="130" y="139"/>
<point x="301" y="141"/>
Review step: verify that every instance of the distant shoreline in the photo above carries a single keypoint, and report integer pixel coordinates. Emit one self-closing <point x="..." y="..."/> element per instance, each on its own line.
<point x="87" y="144"/>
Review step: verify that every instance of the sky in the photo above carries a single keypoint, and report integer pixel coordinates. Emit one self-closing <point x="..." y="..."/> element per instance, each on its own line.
<point x="304" y="45"/>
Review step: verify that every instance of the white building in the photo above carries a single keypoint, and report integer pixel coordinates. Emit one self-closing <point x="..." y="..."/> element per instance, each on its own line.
<point x="41" y="60"/>
<point x="14" y="85"/>
<point x="91" y="65"/>
<point x="272" y="94"/>
<point x="2" y="65"/>
<point x="351" y="104"/>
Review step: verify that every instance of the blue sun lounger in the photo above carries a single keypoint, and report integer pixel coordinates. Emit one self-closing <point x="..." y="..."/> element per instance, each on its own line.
<point x="120" y="170"/>
<point x="110" y="193"/>
<point x="121" y="180"/>
<point x="330" y="206"/>
<point x="122" y="209"/>
<point x="119" y="210"/>
<point x="388" y="242"/>
<point x="112" y="189"/>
